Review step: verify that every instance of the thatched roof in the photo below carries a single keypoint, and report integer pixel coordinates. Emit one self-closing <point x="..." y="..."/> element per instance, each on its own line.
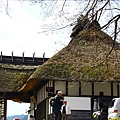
<point x="12" y="77"/>
<point x="83" y="59"/>
<point x="86" y="58"/>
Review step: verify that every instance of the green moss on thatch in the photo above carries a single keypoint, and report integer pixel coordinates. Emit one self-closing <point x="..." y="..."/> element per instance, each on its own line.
<point x="12" y="77"/>
<point x="101" y="73"/>
<point x="84" y="59"/>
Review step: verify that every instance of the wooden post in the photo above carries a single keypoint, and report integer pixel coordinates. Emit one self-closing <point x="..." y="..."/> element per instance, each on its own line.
<point x="67" y="88"/>
<point x="43" y="57"/>
<point x="92" y="98"/>
<point x="12" y="56"/>
<point x="112" y="89"/>
<point x="23" y="56"/>
<point x="118" y="89"/>
<point x="5" y="108"/>
<point x="1" y="55"/>
<point x="79" y="88"/>
<point x="33" y="57"/>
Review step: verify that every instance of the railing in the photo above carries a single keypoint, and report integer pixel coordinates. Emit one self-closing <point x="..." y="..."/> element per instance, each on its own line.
<point x="17" y="60"/>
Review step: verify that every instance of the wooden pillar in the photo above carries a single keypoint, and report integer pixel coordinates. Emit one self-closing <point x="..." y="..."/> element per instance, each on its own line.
<point x="5" y="109"/>
<point x="66" y="88"/>
<point x="79" y="88"/>
<point x="92" y="98"/>
<point x="118" y="89"/>
<point x="53" y="87"/>
<point x="112" y="89"/>
<point x="1" y="55"/>
<point x="92" y="89"/>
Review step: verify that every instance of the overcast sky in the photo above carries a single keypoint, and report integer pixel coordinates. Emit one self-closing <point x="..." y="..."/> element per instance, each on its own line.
<point x="15" y="108"/>
<point x="19" y="31"/>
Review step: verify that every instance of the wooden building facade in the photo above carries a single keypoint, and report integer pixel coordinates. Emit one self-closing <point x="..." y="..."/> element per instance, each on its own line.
<point x="83" y="69"/>
<point x="43" y="110"/>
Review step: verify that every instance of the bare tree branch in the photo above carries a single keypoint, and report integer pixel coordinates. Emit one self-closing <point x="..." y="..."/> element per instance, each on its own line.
<point x="110" y="21"/>
<point x="63" y="4"/>
<point x="115" y="35"/>
<point x="52" y="30"/>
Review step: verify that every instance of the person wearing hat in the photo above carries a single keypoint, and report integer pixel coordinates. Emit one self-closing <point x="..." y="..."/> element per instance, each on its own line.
<point x="58" y="102"/>
<point x="65" y="110"/>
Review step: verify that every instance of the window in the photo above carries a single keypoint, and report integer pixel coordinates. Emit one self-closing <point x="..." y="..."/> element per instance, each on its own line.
<point x="112" y="103"/>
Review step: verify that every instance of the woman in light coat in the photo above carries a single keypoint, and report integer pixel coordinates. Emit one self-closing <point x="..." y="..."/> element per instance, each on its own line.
<point x="65" y="109"/>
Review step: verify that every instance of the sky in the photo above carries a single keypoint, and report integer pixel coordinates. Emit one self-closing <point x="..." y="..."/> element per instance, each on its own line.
<point x="22" y="31"/>
<point x="15" y="108"/>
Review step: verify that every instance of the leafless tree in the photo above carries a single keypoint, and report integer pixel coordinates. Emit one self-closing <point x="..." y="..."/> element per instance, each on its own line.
<point x="104" y="13"/>
<point x="93" y="9"/>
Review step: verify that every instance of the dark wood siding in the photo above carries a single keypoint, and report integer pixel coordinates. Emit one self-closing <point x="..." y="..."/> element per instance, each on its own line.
<point x="41" y="110"/>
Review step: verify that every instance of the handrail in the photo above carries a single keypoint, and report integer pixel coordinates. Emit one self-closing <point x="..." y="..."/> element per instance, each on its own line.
<point x="22" y="59"/>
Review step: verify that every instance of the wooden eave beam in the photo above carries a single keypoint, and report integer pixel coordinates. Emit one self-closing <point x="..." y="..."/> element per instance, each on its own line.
<point x="12" y="95"/>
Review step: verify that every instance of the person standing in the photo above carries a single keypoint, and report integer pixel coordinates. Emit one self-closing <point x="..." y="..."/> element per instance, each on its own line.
<point x="58" y="102"/>
<point x="65" y="109"/>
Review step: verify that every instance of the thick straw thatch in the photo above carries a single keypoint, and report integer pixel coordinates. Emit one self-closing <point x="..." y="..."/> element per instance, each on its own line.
<point x="86" y="58"/>
<point x="12" y="77"/>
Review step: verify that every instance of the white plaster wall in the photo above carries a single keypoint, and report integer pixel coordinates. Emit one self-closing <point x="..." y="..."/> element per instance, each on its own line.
<point x="86" y="88"/>
<point x="59" y="85"/>
<point x="31" y="109"/>
<point x="73" y="88"/>
<point x="79" y="103"/>
<point x="50" y="108"/>
<point x="38" y="97"/>
<point x="45" y="91"/>
<point x="119" y="89"/>
<point x="51" y="83"/>
<point x="102" y="87"/>
<point x="114" y="89"/>
<point x="42" y="94"/>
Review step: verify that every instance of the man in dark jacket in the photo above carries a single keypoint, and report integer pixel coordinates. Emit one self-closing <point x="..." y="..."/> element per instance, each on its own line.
<point x="58" y="102"/>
